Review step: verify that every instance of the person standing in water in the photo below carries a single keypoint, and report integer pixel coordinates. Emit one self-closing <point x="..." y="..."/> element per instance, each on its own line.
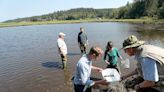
<point x="82" y="40"/>
<point x="110" y="56"/>
<point x="62" y="48"/>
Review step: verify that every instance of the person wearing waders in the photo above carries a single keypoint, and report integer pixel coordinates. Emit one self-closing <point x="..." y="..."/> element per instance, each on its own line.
<point x="82" y="41"/>
<point x="62" y="48"/>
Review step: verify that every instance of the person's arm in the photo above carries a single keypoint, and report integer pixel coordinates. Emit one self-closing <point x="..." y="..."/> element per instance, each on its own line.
<point x="60" y="45"/>
<point x="144" y="84"/>
<point x="78" y="38"/>
<point x="107" y="62"/>
<point x="82" y="69"/>
<point x="105" y="58"/>
<point x="97" y="68"/>
<point x="103" y="82"/>
<point x="86" y="37"/>
<point x="118" y="54"/>
<point x="130" y="74"/>
<point x="60" y="51"/>
<point x="150" y="73"/>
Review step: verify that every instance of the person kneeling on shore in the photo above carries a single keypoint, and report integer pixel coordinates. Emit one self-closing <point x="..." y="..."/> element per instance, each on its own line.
<point x="148" y="56"/>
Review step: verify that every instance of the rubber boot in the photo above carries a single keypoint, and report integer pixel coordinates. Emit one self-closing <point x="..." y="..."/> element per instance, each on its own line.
<point x="64" y="64"/>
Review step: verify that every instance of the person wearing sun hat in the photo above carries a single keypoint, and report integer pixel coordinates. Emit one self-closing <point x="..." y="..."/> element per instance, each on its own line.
<point x="148" y="56"/>
<point x="62" y="48"/>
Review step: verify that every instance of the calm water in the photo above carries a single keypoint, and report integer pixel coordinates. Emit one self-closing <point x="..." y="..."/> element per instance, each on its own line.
<point x="29" y="60"/>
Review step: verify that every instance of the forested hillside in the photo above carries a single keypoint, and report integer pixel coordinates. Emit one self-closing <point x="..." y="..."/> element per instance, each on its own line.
<point x="138" y="9"/>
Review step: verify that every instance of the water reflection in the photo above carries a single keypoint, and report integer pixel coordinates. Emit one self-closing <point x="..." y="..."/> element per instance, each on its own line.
<point x="73" y="54"/>
<point x="67" y="80"/>
<point x="56" y="65"/>
<point x="152" y="37"/>
<point x="29" y="59"/>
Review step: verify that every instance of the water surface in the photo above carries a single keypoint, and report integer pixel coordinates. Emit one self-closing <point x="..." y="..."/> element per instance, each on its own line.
<point x="29" y="60"/>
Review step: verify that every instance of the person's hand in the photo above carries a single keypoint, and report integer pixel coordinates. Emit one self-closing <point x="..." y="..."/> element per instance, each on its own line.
<point x="123" y="77"/>
<point x="122" y="62"/>
<point x="107" y="62"/>
<point x="137" y="87"/>
<point x="99" y="69"/>
<point x="102" y="82"/>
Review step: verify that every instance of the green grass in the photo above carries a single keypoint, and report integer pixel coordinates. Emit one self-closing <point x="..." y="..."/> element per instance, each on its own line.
<point x="142" y="20"/>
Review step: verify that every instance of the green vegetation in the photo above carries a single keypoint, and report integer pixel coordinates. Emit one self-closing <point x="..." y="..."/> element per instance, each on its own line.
<point x="140" y="11"/>
<point x="142" y="20"/>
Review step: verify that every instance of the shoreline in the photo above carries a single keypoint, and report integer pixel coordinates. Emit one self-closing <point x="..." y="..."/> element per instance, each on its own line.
<point x="151" y="22"/>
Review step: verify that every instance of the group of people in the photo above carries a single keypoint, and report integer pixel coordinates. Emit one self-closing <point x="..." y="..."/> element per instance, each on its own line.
<point x="148" y="57"/>
<point x="62" y="47"/>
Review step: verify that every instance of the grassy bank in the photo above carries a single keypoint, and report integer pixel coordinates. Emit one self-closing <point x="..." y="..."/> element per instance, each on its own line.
<point x="140" y="21"/>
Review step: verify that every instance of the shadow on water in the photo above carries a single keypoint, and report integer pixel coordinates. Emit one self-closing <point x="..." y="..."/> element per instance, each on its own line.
<point x="56" y="65"/>
<point x="72" y="54"/>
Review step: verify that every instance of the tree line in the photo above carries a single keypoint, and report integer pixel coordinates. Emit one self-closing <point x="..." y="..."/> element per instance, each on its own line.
<point x="138" y="9"/>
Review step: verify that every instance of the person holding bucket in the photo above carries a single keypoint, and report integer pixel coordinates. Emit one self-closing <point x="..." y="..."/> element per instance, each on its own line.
<point x="81" y="80"/>
<point x="110" y="56"/>
<point x="148" y="56"/>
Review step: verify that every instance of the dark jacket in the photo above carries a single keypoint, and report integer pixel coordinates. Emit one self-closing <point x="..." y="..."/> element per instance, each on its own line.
<point x="82" y="38"/>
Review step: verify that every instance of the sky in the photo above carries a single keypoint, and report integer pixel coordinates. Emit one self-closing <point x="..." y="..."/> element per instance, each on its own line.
<point x="12" y="9"/>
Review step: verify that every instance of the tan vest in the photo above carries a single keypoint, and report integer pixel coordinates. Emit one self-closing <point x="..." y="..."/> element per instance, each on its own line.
<point x="154" y="52"/>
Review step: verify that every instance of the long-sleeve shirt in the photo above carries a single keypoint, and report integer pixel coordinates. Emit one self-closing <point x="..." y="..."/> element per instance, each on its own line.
<point x="82" y="38"/>
<point x="83" y="71"/>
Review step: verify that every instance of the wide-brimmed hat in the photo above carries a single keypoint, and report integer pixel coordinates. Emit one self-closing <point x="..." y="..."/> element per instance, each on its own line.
<point x="62" y="34"/>
<point x="132" y="41"/>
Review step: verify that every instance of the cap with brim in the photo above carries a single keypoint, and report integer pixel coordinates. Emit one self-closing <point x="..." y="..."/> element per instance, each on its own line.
<point x="61" y="33"/>
<point x="131" y="42"/>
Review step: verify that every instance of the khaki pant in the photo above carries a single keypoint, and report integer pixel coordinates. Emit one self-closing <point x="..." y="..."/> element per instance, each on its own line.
<point x="64" y="61"/>
<point x="83" y="48"/>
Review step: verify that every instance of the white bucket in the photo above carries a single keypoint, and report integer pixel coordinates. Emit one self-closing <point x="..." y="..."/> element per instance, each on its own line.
<point x="110" y="75"/>
<point x="126" y="63"/>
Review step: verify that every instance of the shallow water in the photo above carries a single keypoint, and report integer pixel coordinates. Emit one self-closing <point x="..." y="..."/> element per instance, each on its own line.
<point x="29" y="60"/>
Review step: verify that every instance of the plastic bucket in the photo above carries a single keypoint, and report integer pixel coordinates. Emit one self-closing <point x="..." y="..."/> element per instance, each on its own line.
<point x="110" y="75"/>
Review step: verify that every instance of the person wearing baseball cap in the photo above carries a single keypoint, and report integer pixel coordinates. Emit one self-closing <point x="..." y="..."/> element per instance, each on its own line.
<point x="62" y="34"/>
<point x="62" y="48"/>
